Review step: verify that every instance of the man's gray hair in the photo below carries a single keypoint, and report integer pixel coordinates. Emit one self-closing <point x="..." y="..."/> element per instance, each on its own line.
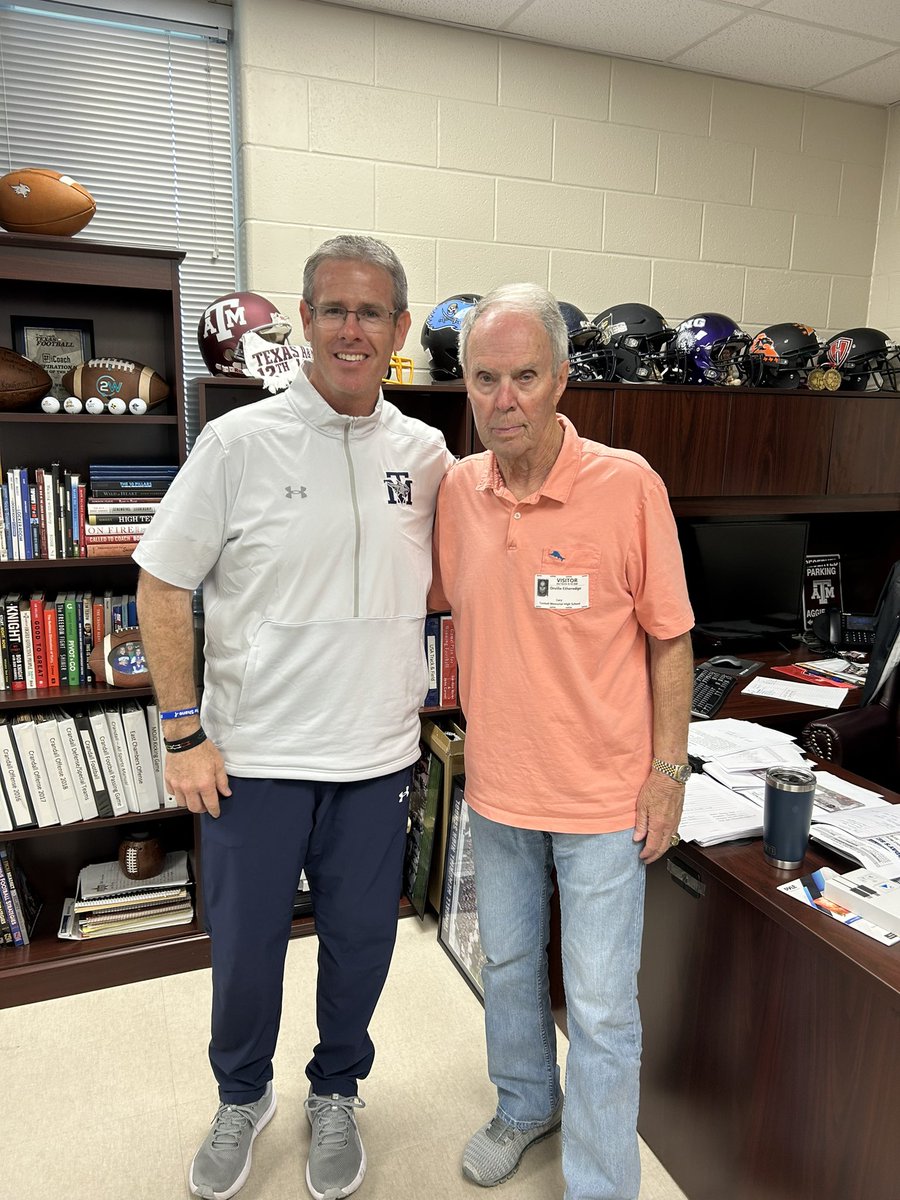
<point x="528" y="298"/>
<point x="364" y="249"/>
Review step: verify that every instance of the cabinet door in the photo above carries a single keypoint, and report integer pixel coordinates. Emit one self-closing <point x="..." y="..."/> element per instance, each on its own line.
<point x="778" y="444"/>
<point x="680" y="433"/>
<point x="865" y="450"/>
<point x="590" y="410"/>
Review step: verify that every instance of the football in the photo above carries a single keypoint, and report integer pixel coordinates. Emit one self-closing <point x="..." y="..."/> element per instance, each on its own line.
<point x="22" y="381"/>
<point x="116" y="379"/>
<point x="119" y="660"/>
<point x="35" y="200"/>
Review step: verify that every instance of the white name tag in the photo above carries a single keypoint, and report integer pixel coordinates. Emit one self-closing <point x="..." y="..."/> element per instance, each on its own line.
<point x="561" y="591"/>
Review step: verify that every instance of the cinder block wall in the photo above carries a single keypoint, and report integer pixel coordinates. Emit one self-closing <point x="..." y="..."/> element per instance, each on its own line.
<point x="483" y="159"/>
<point x="884" y="306"/>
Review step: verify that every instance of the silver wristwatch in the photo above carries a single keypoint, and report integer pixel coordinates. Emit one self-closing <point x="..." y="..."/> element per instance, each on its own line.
<point x="680" y="772"/>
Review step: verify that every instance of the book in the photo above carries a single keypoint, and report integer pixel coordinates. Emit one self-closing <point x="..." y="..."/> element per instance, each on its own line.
<point x="98" y="523"/>
<point x="97" y="779"/>
<point x="432" y="660"/>
<point x="61" y="647"/>
<point x="425" y="794"/>
<point x="14" y="642"/>
<point x="27" y="647"/>
<point x="15" y="512"/>
<point x="14" y="786"/>
<point x="113" y="550"/>
<point x="59" y="532"/>
<point x="131" y="534"/>
<point x="448" y="663"/>
<point x="38" y="639"/>
<point x="873" y="895"/>
<point x="123" y="528"/>
<point x="46" y="729"/>
<point x="123" y="758"/>
<point x="157" y="750"/>
<point x="4" y="523"/>
<point x="109" y="764"/>
<point x="79" y="771"/>
<point x="137" y="741"/>
<point x="9" y="900"/>
<point x="6" y="821"/>
<point x="51" y="644"/>
<point x="70" y="618"/>
<point x="34" y="770"/>
<point x="24" y="896"/>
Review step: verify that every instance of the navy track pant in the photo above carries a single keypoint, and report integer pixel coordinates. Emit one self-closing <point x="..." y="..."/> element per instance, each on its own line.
<point x="350" y="837"/>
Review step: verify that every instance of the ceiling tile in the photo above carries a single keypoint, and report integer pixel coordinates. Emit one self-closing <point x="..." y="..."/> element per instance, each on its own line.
<point x="480" y="14"/>
<point x="611" y="27"/>
<point x="878" y="83"/>
<point x="875" y="18"/>
<point x="767" y="49"/>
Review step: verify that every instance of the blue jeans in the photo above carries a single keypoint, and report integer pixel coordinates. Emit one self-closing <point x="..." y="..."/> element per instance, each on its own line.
<point x="601" y="891"/>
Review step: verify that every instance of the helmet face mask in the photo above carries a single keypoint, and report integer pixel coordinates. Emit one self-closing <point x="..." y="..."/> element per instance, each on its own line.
<point x="637" y="336"/>
<point x="856" y="358"/>
<point x="225" y="321"/>
<point x="709" y="348"/>
<point x="780" y="356"/>
<point x="440" y="335"/>
<point x="589" y="361"/>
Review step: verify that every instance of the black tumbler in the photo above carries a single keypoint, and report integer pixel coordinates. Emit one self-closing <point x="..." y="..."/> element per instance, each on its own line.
<point x="787" y="813"/>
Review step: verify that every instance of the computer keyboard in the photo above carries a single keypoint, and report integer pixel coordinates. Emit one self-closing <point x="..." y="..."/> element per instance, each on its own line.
<point x="711" y="688"/>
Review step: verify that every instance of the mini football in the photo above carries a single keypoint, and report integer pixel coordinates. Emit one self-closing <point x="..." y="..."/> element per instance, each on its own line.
<point x="35" y="200"/>
<point x="22" y="381"/>
<point x="116" y="379"/>
<point x="119" y="660"/>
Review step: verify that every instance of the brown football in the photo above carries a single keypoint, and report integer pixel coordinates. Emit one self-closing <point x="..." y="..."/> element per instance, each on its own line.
<point x="35" y="200"/>
<point x="116" y="378"/>
<point x="119" y="660"/>
<point x="22" y="382"/>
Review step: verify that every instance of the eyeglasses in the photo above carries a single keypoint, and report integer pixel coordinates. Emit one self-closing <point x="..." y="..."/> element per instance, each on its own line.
<point x="332" y="316"/>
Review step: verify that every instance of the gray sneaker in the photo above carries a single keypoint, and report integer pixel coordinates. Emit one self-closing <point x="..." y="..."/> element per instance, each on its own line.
<point x="337" y="1161"/>
<point x="222" y="1164"/>
<point x="493" y="1154"/>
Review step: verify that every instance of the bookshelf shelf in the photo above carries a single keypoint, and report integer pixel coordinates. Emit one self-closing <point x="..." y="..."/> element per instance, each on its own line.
<point x="98" y="693"/>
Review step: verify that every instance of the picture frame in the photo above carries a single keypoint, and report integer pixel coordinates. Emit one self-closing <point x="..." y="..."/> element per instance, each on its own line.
<point x="424" y="801"/>
<point x="55" y="343"/>
<point x="458" y="927"/>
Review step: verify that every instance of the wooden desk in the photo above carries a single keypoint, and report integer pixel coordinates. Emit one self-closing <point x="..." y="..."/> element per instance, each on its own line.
<point x="771" y="1036"/>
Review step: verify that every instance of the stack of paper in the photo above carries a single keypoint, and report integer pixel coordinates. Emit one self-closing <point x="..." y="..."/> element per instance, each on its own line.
<point x="725" y="801"/>
<point x="109" y="902"/>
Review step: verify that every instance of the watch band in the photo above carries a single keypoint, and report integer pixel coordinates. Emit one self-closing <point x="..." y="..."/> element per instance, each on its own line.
<point x="680" y="772"/>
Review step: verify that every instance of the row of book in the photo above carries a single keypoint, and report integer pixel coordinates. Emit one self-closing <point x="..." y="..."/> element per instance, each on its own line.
<point x="19" y="907"/>
<point x="53" y="513"/>
<point x="47" y="642"/>
<point x="57" y="768"/>
<point x="440" y="656"/>
<point x="107" y="901"/>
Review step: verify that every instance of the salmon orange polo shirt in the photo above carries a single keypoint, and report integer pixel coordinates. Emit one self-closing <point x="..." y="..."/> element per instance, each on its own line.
<point x="552" y="600"/>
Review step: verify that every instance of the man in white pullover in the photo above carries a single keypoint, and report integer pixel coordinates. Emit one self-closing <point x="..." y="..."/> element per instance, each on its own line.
<point x="307" y="519"/>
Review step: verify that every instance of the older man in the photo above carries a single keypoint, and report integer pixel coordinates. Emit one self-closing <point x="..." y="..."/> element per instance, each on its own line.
<point x="307" y="518"/>
<point x="560" y="561"/>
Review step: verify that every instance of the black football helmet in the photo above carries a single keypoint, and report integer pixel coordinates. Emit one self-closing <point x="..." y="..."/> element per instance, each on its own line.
<point x="780" y="356"/>
<point x="588" y="359"/>
<point x="708" y="348"/>
<point x="636" y="336"/>
<point x="856" y="358"/>
<point x="440" y="336"/>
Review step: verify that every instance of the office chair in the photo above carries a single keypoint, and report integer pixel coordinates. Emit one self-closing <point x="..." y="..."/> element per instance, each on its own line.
<point x="866" y="740"/>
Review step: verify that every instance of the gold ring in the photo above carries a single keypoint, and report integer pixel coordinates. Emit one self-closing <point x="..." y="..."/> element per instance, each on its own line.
<point x="674" y="839"/>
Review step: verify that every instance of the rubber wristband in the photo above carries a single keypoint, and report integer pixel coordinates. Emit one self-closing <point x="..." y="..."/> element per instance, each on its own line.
<point x="179" y="712"/>
<point x="197" y="738"/>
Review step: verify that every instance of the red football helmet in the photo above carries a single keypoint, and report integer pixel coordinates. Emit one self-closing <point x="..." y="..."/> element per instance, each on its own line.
<point x="226" y="320"/>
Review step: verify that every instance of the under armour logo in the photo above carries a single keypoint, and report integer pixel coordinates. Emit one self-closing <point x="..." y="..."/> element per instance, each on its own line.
<point x="300" y="491"/>
<point x="404" y="795"/>
<point x="399" y="486"/>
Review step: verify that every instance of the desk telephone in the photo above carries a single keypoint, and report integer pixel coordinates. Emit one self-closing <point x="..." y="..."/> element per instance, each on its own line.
<point x="846" y="631"/>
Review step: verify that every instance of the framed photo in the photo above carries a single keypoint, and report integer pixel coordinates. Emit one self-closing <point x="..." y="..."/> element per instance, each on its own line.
<point x="458" y="928"/>
<point x="424" y="800"/>
<point x="55" y="343"/>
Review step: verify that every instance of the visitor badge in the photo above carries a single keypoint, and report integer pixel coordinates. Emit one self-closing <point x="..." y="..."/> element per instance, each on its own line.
<point x="561" y="591"/>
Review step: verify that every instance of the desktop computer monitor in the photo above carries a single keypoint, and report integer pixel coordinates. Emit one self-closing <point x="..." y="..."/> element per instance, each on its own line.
<point x="745" y="578"/>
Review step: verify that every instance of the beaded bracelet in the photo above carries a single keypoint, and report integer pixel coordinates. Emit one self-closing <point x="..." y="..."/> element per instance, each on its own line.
<point x="186" y="743"/>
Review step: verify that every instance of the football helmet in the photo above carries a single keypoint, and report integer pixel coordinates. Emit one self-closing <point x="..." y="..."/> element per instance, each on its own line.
<point x="588" y="360"/>
<point x="636" y="335"/>
<point x="708" y="348"/>
<point x="850" y="360"/>
<point x="780" y="356"/>
<point x="440" y="335"/>
<point x="401" y="370"/>
<point x="224" y="322"/>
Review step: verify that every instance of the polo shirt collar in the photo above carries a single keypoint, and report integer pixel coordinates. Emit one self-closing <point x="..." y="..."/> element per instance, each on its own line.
<point x="558" y="484"/>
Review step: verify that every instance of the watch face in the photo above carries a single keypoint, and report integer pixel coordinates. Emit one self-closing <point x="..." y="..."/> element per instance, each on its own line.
<point x="682" y="774"/>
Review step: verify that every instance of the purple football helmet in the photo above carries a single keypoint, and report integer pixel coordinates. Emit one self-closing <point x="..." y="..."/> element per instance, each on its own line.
<point x="708" y="348"/>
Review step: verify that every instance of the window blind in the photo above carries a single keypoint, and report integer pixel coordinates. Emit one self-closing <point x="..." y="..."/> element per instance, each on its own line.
<point x="142" y="118"/>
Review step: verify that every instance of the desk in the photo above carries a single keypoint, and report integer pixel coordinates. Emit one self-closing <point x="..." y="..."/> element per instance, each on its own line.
<point x="771" y="1036"/>
<point x="781" y="714"/>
